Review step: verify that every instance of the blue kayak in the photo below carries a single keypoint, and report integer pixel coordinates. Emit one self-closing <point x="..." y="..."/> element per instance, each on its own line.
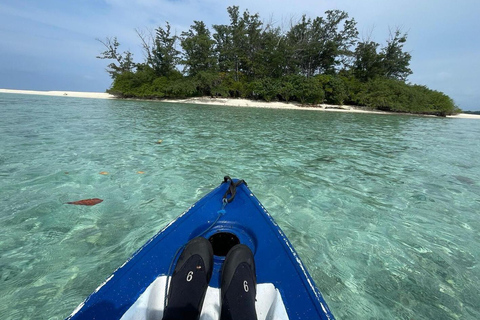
<point x="228" y="215"/>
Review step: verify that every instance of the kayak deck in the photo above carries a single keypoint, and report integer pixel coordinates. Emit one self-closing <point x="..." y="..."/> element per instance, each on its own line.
<point x="269" y="304"/>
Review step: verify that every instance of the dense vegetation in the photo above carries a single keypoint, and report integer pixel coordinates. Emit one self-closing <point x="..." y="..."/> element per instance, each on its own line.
<point x="316" y="61"/>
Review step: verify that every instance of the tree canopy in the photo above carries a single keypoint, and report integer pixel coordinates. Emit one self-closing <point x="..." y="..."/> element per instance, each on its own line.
<point x="317" y="60"/>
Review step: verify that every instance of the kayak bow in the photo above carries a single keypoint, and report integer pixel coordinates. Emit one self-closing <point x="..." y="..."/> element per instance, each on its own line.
<point x="228" y="215"/>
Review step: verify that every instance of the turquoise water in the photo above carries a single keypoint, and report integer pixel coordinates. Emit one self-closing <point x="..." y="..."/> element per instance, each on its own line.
<point x="383" y="210"/>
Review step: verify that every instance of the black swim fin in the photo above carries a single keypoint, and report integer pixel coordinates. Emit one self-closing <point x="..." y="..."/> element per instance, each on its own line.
<point x="189" y="282"/>
<point x="239" y="285"/>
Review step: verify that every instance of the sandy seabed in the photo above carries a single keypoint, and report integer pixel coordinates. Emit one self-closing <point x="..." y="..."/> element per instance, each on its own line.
<point x="225" y="102"/>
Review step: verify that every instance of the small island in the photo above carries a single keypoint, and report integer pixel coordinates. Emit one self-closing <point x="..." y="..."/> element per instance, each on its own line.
<point x="316" y="61"/>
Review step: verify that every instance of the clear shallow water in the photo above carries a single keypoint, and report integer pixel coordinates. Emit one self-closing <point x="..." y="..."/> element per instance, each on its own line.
<point x="383" y="210"/>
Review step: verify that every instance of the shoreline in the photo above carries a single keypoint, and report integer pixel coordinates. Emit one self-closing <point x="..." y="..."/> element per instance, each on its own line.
<point x="243" y="103"/>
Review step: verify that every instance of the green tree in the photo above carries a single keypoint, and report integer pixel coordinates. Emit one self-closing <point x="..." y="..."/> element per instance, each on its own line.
<point x="272" y="58"/>
<point x="123" y="62"/>
<point x="302" y="48"/>
<point x="223" y="47"/>
<point x="323" y="45"/>
<point x="368" y="62"/>
<point x="238" y="44"/>
<point x="395" y="61"/>
<point x="198" y="49"/>
<point x="391" y="62"/>
<point x="226" y="43"/>
<point x="248" y="38"/>
<point x="165" y="56"/>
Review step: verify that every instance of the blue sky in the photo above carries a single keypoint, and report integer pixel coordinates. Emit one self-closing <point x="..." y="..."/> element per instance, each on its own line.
<point x="50" y="44"/>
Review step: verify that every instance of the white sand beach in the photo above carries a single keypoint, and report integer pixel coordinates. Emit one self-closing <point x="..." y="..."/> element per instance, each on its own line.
<point x="228" y="102"/>
<point x="270" y="105"/>
<point x="96" y="95"/>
